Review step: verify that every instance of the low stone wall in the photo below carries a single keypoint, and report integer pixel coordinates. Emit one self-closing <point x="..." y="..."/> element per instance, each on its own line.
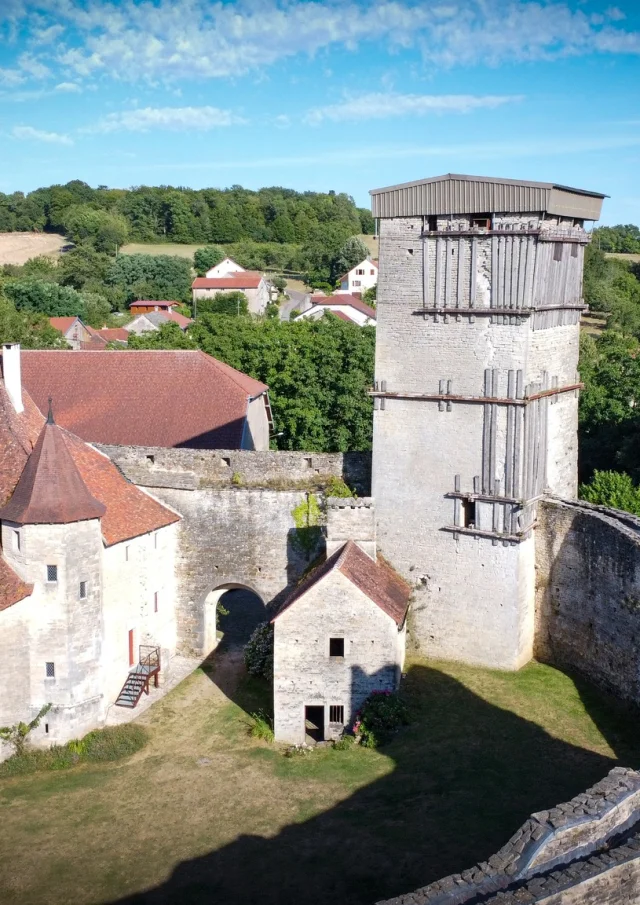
<point x="588" y="593"/>
<point x="585" y="850"/>
<point x="191" y="469"/>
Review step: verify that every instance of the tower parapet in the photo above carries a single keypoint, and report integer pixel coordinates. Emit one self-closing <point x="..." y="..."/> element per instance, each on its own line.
<point x="476" y="397"/>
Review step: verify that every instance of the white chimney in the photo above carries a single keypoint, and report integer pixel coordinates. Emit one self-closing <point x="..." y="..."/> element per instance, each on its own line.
<point x="11" y="373"/>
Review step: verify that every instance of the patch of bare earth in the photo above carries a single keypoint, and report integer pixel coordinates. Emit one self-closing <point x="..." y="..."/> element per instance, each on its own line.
<point x="17" y="248"/>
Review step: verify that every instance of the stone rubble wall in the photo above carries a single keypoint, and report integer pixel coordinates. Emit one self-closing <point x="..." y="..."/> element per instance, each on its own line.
<point x="558" y="857"/>
<point x="588" y="593"/>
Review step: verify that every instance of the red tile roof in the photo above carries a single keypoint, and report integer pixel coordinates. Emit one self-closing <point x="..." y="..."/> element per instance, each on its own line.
<point x="143" y="397"/>
<point x="63" y="323"/>
<point x="12" y="587"/>
<point x="344" y="299"/>
<point x="50" y="490"/>
<point x="377" y="580"/>
<point x="343" y="316"/>
<point x="18" y="436"/>
<point x="142" y="303"/>
<point x="248" y="279"/>
<point x="109" y="334"/>
<point x="178" y="319"/>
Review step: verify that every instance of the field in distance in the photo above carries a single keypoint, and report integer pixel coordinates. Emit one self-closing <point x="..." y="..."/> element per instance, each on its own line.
<point x="633" y="259"/>
<point x="17" y="248"/>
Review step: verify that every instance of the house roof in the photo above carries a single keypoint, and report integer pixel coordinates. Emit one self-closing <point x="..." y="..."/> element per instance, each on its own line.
<point x="248" y="279"/>
<point x="165" y="317"/>
<point x="109" y="334"/>
<point x="63" y="323"/>
<point x="12" y="587"/>
<point x="142" y="303"/>
<point x="381" y="584"/>
<point x="344" y="299"/>
<point x="365" y="262"/>
<point x="143" y="397"/>
<point x="50" y="490"/>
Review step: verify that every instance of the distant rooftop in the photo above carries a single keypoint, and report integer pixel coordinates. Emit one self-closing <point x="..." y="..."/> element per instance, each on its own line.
<point x="457" y="193"/>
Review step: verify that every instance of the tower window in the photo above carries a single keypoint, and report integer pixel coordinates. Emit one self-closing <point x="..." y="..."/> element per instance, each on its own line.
<point x="126" y="553"/>
<point x="574" y="250"/>
<point x="336" y="647"/>
<point x="52" y="573"/>
<point x="432" y="223"/>
<point x="336" y="714"/>
<point x="151" y="459"/>
<point x="155" y="601"/>
<point x="83" y="590"/>
<point x="50" y="670"/>
<point x="557" y="251"/>
<point x="468" y="513"/>
<point x="16" y="540"/>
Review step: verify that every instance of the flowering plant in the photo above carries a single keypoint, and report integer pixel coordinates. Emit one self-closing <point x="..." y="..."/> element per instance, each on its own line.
<point x="380" y="716"/>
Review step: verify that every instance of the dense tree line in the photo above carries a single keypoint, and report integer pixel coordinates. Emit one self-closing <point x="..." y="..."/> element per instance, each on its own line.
<point x="623" y="239"/>
<point x="152" y="213"/>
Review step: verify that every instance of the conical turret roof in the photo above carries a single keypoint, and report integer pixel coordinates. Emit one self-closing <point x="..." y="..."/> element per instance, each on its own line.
<point x="51" y="490"/>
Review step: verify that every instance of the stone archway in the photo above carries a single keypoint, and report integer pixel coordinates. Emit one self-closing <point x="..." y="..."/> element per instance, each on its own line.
<point x="242" y="609"/>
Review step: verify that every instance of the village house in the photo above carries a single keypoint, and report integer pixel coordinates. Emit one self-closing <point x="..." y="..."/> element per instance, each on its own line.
<point x="73" y="330"/>
<point x="150" y="398"/>
<point x="87" y="577"/>
<point x="250" y="282"/>
<point x="339" y="637"/>
<point x="224" y="268"/>
<point x="363" y="276"/>
<point x="153" y="320"/>
<point x="346" y="307"/>
<point x="99" y="339"/>
<point x="142" y="306"/>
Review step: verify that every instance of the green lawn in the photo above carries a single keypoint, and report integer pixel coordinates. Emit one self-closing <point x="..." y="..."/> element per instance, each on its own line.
<point x="161" y="248"/>
<point x="206" y="814"/>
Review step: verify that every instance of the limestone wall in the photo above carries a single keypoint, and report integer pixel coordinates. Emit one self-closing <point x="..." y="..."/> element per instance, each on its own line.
<point x="584" y="851"/>
<point x="588" y="593"/>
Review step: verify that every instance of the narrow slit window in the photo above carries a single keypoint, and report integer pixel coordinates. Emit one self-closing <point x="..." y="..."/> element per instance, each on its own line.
<point x="557" y="251"/>
<point x="126" y="553"/>
<point x="16" y="540"/>
<point x="155" y="601"/>
<point x="83" y="590"/>
<point x="52" y="573"/>
<point x="336" y="714"/>
<point x="432" y="224"/>
<point x="50" y="670"/>
<point x="468" y="513"/>
<point x="336" y="647"/>
<point x="574" y="250"/>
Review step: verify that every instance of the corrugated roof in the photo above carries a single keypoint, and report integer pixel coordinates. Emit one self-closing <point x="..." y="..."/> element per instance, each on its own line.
<point x="456" y="193"/>
<point x="143" y="397"/>
<point x="377" y="580"/>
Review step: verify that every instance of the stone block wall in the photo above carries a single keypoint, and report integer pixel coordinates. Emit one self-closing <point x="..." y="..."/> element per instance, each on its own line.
<point x="584" y="851"/>
<point x="588" y="593"/>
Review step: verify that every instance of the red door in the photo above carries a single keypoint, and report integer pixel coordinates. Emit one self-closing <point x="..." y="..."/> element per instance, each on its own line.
<point x="131" y="660"/>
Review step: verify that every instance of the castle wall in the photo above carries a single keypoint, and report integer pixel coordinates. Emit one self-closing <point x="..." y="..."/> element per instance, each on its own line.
<point x="588" y="593"/>
<point x="305" y="674"/>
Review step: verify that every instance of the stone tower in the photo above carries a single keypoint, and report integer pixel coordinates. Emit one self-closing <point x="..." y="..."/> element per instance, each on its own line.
<point x="476" y="397"/>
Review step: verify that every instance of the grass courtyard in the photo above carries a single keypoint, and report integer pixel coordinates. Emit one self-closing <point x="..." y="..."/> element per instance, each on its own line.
<point x="207" y="814"/>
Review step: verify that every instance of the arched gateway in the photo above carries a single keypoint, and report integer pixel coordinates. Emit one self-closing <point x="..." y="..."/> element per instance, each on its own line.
<point x="231" y="611"/>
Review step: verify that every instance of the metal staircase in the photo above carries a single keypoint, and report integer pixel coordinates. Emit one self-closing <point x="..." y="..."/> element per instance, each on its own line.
<point x="140" y="676"/>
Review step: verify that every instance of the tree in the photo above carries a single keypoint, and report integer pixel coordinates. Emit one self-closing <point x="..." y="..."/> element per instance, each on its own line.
<point x="16" y="735"/>
<point x="206" y="258"/>
<point x="168" y="336"/>
<point x="105" y="231"/>
<point x="31" y="330"/>
<point x="83" y="265"/>
<point x="280" y="283"/>
<point x="623" y="239"/>
<point x="97" y="309"/>
<point x="369" y="296"/>
<point x="613" y="489"/>
<point x="46" y="298"/>
<point x="352" y="252"/>
<point x="232" y="304"/>
<point x="152" y="276"/>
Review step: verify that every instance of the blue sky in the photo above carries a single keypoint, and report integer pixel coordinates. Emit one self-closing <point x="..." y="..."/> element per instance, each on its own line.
<point x="343" y="95"/>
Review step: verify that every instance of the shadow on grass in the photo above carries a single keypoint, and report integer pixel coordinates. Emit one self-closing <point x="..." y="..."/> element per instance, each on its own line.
<point x="466" y="774"/>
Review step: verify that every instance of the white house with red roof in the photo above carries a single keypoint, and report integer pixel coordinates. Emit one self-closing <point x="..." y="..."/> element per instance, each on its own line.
<point x="346" y="307"/>
<point x="87" y="575"/>
<point x="224" y="268"/>
<point x="250" y="282"/>
<point x="339" y="637"/>
<point x="73" y="330"/>
<point x="363" y="276"/>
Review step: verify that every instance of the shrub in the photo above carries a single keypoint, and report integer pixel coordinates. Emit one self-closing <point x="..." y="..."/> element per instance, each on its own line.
<point x="16" y="735"/>
<point x="258" y="652"/>
<point x="344" y="743"/>
<point x="382" y="714"/>
<point x="613" y="489"/>
<point x="262" y="726"/>
<point x="337" y="487"/>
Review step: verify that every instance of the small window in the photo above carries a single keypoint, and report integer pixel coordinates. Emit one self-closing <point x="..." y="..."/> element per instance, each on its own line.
<point x="83" y="590"/>
<point x="360" y="272"/>
<point x="336" y="714"/>
<point x="574" y="250"/>
<point x="50" y="670"/>
<point x="433" y="224"/>
<point x="336" y="647"/>
<point x="155" y="540"/>
<point x="155" y="601"/>
<point x="16" y="540"/>
<point x="482" y="221"/>
<point x="557" y="251"/>
<point x="126" y="553"/>
<point x="468" y="514"/>
<point x="372" y="272"/>
<point x="357" y="282"/>
<point x="151" y="459"/>
<point x="52" y="573"/>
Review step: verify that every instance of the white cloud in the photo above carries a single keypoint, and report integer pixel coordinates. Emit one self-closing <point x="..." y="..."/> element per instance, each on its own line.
<point x="379" y="105"/>
<point x="181" y="119"/>
<point x="46" y="35"/>
<point x="187" y="39"/>
<point x="33" y="67"/>
<point x="28" y="133"/>
<point x="69" y="87"/>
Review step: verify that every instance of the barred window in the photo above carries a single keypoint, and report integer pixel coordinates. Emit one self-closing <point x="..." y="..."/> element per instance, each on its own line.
<point x="83" y="590"/>
<point x="336" y="714"/>
<point x="50" y="670"/>
<point x="52" y="573"/>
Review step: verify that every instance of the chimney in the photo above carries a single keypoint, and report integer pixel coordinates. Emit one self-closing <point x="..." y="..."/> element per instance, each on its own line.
<point x="11" y="374"/>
